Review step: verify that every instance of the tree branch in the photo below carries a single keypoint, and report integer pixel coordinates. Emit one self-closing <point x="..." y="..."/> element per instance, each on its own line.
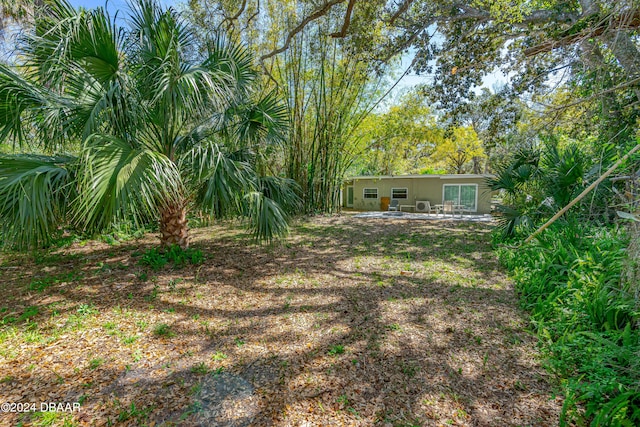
<point x="347" y="21"/>
<point x="252" y="17"/>
<point x="228" y="20"/>
<point x="315" y="15"/>
<point x="624" y="22"/>
<point x="402" y="9"/>
<point x="242" y="7"/>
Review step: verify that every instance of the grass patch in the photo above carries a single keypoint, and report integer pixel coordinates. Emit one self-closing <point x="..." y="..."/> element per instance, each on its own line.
<point x="336" y="350"/>
<point x="43" y="283"/>
<point x="163" y="330"/>
<point x="96" y="363"/>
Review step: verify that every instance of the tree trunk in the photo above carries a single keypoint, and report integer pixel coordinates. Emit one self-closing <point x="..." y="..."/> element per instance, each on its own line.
<point x="173" y="226"/>
<point x="626" y="52"/>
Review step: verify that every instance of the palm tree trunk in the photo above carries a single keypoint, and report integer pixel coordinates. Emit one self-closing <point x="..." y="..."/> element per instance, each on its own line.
<point x="173" y="226"/>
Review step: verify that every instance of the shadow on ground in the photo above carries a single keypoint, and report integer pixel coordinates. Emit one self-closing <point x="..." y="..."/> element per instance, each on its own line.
<point x="349" y="322"/>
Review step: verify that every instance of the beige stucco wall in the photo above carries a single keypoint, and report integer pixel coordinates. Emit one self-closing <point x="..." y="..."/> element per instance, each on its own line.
<point x="425" y="187"/>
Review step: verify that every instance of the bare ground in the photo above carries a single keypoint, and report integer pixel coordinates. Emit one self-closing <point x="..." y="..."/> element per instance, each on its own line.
<point x="350" y="322"/>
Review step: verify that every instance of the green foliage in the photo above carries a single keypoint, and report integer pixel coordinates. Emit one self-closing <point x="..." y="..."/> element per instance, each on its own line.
<point x="179" y="257"/>
<point x="28" y="313"/>
<point x="34" y="191"/>
<point x="587" y="321"/>
<point x="87" y="310"/>
<point x="95" y="363"/>
<point x="163" y="330"/>
<point x="462" y="147"/>
<point x="48" y="281"/>
<point x="399" y="140"/>
<point x="536" y="184"/>
<point x="336" y="350"/>
<point x="153" y="258"/>
<point x="201" y="368"/>
<point x="218" y="356"/>
<point x="158" y="258"/>
<point x="47" y="419"/>
<point x="140" y="108"/>
<point x="134" y="412"/>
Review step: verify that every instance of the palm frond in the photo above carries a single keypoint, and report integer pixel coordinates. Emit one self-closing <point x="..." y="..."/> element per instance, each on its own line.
<point x="267" y="219"/>
<point x="284" y="191"/>
<point x="517" y="173"/>
<point x="231" y="58"/>
<point x="118" y="181"/>
<point x="89" y="40"/>
<point x="511" y="219"/>
<point x="73" y="60"/>
<point x="564" y="171"/>
<point x="219" y="181"/>
<point x="20" y="102"/>
<point x="197" y="135"/>
<point x="177" y="88"/>
<point x="262" y="122"/>
<point x="34" y="194"/>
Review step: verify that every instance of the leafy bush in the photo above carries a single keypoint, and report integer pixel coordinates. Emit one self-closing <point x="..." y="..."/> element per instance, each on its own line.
<point x="163" y="330"/>
<point x="535" y="184"/>
<point x="179" y="257"/>
<point x="156" y="259"/>
<point x="587" y="322"/>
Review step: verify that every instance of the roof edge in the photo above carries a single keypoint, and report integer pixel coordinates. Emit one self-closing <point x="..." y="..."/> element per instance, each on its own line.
<point x="446" y="176"/>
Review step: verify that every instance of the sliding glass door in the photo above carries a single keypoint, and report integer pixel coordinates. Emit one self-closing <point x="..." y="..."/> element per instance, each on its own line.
<point x="461" y="194"/>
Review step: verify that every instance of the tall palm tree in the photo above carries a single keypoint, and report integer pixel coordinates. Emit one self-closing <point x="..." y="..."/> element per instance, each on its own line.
<point x="150" y="123"/>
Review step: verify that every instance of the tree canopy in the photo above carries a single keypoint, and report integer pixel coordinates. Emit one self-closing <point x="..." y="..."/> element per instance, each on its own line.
<point x="140" y="122"/>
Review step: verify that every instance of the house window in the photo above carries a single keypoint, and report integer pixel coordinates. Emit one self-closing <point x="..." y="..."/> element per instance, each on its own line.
<point x="370" y="193"/>
<point x="461" y="194"/>
<point x="399" y="193"/>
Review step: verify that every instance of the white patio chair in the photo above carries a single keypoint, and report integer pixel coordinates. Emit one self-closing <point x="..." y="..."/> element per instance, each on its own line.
<point x="447" y="207"/>
<point x="428" y="208"/>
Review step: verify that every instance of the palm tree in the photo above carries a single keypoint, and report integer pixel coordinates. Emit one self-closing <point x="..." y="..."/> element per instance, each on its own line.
<point x="147" y="123"/>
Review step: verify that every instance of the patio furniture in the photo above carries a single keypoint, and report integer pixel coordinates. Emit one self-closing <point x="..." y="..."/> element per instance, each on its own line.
<point x="393" y="206"/>
<point x="450" y="207"/>
<point x="447" y="207"/>
<point x="428" y="208"/>
<point x="406" y="206"/>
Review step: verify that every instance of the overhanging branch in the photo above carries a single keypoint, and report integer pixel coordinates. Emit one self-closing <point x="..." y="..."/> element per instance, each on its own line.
<point x="315" y="15"/>
<point x="623" y="22"/>
<point x="402" y="9"/>
<point x="347" y="21"/>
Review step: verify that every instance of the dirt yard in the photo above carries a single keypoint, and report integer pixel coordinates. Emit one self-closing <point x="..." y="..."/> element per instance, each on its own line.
<point x="348" y="322"/>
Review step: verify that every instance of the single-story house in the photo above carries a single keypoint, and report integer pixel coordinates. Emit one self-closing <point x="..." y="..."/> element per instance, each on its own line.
<point x="373" y="193"/>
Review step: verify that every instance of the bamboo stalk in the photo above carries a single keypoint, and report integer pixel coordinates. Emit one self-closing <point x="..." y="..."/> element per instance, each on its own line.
<point x="582" y="195"/>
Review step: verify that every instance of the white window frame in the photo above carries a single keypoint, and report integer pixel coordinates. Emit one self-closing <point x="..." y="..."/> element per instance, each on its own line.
<point x="459" y="192"/>
<point x="364" y="193"/>
<point x="400" y="188"/>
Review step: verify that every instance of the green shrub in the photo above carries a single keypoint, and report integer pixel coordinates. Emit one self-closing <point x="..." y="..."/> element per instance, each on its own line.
<point x="156" y="259"/>
<point x="163" y="330"/>
<point x="569" y="279"/>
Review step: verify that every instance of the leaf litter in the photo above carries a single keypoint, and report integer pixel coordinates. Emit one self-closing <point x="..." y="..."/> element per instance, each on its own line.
<point x="352" y="322"/>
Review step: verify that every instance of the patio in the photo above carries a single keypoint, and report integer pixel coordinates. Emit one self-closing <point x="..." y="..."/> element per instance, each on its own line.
<point x="425" y="216"/>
